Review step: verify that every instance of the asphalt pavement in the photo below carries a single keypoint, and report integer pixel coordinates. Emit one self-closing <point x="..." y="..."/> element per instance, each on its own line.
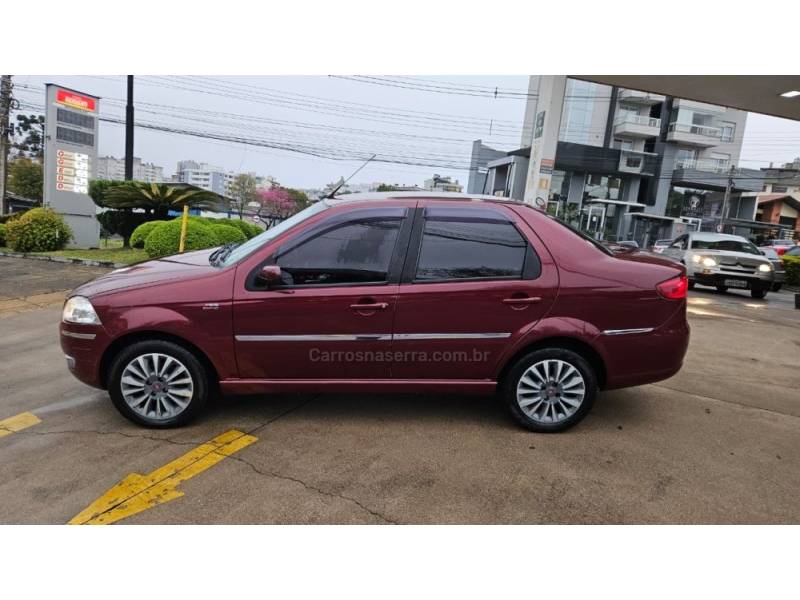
<point x="717" y="443"/>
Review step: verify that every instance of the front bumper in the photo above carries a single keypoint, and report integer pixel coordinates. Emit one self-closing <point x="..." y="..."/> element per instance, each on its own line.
<point x="716" y="276"/>
<point x="83" y="347"/>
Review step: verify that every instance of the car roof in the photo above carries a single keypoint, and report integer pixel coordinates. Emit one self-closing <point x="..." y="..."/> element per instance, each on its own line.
<point x="423" y="195"/>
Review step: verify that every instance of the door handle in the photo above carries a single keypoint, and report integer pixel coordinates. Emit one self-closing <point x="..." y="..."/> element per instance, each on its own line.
<point x="522" y="301"/>
<point x="372" y="306"/>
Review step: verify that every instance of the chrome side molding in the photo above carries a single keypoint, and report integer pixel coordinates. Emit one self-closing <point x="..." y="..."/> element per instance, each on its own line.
<point x="627" y="331"/>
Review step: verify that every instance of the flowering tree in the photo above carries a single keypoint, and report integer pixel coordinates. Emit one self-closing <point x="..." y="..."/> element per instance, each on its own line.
<point x="276" y="205"/>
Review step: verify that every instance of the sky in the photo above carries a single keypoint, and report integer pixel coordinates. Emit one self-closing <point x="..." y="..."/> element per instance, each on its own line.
<point x="424" y="125"/>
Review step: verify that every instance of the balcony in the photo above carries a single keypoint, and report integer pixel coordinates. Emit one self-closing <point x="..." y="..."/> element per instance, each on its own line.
<point x="694" y="135"/>
<point x="639" y="163"/>
<point x="641" y="98"/>
<point x="706" y="165"/>
<point x="637" y="126"/>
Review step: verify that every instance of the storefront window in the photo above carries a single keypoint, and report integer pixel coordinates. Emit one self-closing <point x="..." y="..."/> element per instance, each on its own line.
<point x="602" y="187"/>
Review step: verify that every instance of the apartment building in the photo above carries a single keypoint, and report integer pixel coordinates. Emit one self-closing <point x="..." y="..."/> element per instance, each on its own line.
<point x="214" y="178"/>
<point x="624" y="164"/>
<point x="109" y="167"/>
<point x="438" y="183"/>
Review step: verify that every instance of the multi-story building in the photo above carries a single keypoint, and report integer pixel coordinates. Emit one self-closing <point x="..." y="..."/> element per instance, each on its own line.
<point x="214" y="178"/>
<point x="112" y="168"/>
<point x="443" y="184"/>
<point x="623" y="164"/>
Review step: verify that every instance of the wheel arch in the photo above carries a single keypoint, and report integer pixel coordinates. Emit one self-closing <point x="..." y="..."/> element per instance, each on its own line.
<point x="580" y="347"/>
<point x="121" y="342"/>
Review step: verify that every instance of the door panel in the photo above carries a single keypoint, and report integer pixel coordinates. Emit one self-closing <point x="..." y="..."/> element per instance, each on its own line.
<point x="331" y="315"/>
<point x="315" y="333"/>
<point x="499" y="281"/>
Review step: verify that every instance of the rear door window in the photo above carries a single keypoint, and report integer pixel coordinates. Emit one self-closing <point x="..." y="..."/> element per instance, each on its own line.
<point x="458" y="249"/>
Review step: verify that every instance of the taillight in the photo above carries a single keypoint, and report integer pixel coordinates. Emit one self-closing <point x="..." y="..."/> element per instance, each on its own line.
<point x="675" y="288"/>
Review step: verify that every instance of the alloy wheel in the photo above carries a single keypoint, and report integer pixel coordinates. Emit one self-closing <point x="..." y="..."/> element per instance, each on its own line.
<point x="156" y="386"/>
<point x="550" y="391"/>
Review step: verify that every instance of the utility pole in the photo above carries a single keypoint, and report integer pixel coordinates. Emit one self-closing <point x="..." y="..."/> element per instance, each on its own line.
<point x="725" y="199"/>
<point x="5" y="109"/>
<point x="129" y="131"/>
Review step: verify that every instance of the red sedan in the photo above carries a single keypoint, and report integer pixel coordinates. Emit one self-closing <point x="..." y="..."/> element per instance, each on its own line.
<point x="396" y="292"/>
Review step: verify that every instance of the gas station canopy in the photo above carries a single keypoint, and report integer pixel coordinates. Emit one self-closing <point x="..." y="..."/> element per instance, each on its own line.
<point x="753" y="93"/>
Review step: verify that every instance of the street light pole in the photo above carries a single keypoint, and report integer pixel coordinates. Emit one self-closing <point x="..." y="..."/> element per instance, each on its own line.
<point x="129" y="131"/>
<point x="725" y="199"/>
<point x="5" y="109"/>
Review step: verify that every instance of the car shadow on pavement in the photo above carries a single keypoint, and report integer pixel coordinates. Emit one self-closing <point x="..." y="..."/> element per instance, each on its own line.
<point x="614" y="408"/>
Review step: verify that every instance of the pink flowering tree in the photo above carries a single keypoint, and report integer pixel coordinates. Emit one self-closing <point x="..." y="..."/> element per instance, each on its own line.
<point x="276" y="205"/>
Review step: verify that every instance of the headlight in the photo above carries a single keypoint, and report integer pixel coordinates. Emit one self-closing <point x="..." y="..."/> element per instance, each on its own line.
<point x="79" y="310"/>
<point x="709" y="262"/>
<point x="765" y="268"/>
<point x="696" y="258"/>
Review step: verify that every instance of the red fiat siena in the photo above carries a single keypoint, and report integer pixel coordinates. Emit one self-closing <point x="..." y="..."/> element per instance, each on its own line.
<point x="380" y="293"/>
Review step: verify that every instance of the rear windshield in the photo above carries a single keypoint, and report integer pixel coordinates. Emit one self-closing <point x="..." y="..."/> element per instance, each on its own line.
<point x="725" y="245"/>
<point x="770" y="253"/>
<point x="580" y="234"/>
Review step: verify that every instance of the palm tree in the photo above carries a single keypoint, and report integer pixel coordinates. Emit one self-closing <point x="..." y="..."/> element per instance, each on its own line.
<point x="160" y="198"/>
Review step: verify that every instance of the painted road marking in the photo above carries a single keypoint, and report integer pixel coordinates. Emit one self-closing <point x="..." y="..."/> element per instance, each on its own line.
<point x="18" y="423"/>
<point x="137" y="493"/>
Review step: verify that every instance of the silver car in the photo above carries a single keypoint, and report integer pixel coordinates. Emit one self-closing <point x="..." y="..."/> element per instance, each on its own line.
<point x="722" y="261"/>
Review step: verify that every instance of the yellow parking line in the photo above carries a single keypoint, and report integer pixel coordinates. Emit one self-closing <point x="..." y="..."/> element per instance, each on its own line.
<point x="137" y="493"/>
<point x="18" y="423"/>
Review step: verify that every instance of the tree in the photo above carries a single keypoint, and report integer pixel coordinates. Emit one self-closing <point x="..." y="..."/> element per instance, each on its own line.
<point x="122" y="221"/>
<point x="29" y="140"/>
<point x="159" y="198"/>
<point x="385" y="187"/>
<point x="276" y="205"/>
<point x="300" y="199"/>
<point x="25" y="178"/>
<point x="242" y="191"/>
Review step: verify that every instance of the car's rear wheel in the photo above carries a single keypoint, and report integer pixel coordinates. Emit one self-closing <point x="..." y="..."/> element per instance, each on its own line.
<point x="550" y="389"/>
<point x="722" y="288"/>
<point x="776" y="287"/>
<point x="691" y="284"/>
<point x="158" y="384"/>
<point x="759" y="294"/>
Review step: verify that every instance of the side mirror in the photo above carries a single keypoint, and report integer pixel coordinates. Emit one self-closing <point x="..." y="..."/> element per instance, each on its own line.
<point x="270" y="274"/>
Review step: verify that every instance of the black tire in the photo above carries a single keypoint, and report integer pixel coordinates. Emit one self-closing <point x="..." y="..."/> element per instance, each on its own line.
<point x="722" y="288"/>
<point x="511" y="381"/>
<point x="776" y="287"/>
<point x="691" y="284"/>
<point x="758" y="294"/>
<point x="196" y="370"/>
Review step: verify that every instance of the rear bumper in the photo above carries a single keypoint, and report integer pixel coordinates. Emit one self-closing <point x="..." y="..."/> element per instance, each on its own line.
<point x="648" y="357"/>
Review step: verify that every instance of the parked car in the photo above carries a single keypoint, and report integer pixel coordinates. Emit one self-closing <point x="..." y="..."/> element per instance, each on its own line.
<point x="723" y="261"/>
<point x="393" y="292"/>
<point x="794" y="251"/>
<point x="777" y="266"/>
<point x="660" y="245"/>
<point x="780" y="246"/>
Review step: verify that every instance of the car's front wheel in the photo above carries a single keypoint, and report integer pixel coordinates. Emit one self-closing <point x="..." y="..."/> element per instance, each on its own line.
<point x="550" y="389"/>
<point x="158" y="384"/>
<point x="722" y="288"/>
<point x="758" y="294"/>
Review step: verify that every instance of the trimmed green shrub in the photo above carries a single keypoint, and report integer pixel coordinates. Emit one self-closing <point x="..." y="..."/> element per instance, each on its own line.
<point x="792" y="266"/>
<point x="226" y="234"/>
<point x="164" y="238"/>
<point x="10" y="217"/>
<point x="38" y="230"/>
<point x="2" y="235"/>
<point x="140" y="234"/>
<point x="248" y="229"/>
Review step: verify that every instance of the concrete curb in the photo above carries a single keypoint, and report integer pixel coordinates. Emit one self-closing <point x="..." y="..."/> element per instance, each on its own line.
<point x="63" y="259"/>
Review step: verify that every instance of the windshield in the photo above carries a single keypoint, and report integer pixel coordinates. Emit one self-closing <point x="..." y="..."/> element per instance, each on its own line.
<point x="725" y="245"/>
<point x="253" y="244"/>
<point x="770" y="253"/>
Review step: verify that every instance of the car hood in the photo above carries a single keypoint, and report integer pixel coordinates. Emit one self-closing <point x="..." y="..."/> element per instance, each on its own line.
<point x="152" y="272"/>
